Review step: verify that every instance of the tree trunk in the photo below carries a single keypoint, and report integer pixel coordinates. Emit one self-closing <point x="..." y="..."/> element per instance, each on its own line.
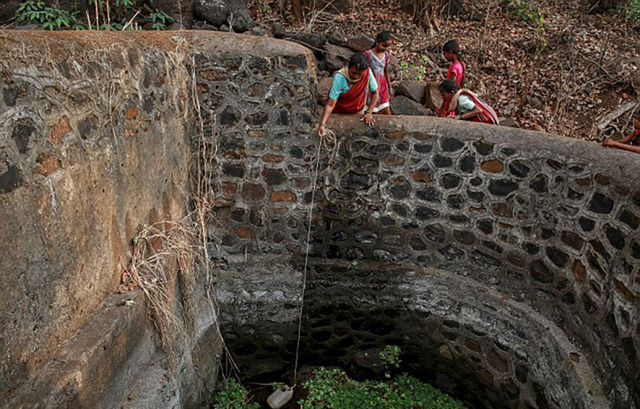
<point x="296" y="7"/>
<point x="426" y="13"/>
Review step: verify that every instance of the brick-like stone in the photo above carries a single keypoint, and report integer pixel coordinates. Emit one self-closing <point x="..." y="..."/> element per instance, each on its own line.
<point x="451" y="144"/>
<point x="421" y="176"/>
<point x="579" y="271"/>
<point x="131" y="114"/>
<point x="60" y="129"/>
<point x="243" y="233"/>
<point x="601" y="179"/>
<point x="272" y="158"/>
<point x="540" y="272"/>
<point x="253" y="192"/>
<point x="601" y="204"/>
<point x="492" y="166"/>
<point x="393" y="160"/>
<point x="283" y="196"/>
<point x="274" y="176"/>
<point x="22" y="133"/>
<point x="502" y="187"/>
<point x="46" y="165"/>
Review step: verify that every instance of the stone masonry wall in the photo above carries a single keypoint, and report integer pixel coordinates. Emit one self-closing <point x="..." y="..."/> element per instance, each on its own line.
<point x="548" y="222"/>
<point x="88" y="123"/>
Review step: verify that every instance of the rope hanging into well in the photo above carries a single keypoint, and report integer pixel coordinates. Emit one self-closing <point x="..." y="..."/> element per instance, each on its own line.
<point x="329" y="140"/>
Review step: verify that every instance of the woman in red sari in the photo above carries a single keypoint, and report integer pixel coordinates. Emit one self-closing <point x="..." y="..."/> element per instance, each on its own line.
<point x="465" y="105"/>
<point x="350" y="90"/>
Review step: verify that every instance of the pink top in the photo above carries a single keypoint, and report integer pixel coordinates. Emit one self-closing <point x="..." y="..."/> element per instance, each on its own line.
<point x="457" y="68"/>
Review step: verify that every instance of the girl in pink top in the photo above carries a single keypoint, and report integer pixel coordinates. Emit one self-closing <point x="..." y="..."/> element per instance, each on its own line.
<point x="378" y="62"/>
<point x="451" y="52"/>
<point x="458" y="67"/>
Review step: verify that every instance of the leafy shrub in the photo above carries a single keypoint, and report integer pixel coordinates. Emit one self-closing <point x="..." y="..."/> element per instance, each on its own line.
<point x="230" y="394"/>
<point x="112" y="15"/>
<point x="632" y="12"/>
<point x="416" y="72"/>
<point x="528" y="12"/>
<point x="332" y="389"/>
<point x="49" y="18"/>
<point x="159" y="19"/>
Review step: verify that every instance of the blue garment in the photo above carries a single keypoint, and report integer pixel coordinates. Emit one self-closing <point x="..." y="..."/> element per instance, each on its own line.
<point x="341" y="85"/>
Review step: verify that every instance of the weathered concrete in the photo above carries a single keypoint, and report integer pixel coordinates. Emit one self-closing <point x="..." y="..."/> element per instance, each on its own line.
<point x="96" y="135"/>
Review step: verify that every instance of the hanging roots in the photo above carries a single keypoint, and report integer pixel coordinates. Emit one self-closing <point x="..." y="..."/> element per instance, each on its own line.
<point x="163" y="253"/>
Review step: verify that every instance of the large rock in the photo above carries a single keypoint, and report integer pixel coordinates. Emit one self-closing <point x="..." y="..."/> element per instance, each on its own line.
<point x="242" y="21"/>
<point x="315" y="41"/>
<point x="411" y="89"/>
<point x="360" y="42"/>
<point x="215" y="12"/>
<point x="402" y="105"/>
<point x="432" y="97"/>
<point x="324" y="86"/>
<point x="337" y="38"/>
<point x="337" y="57"/>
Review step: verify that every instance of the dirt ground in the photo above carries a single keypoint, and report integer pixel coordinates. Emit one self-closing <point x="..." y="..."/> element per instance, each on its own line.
<point x="552" y="67"/>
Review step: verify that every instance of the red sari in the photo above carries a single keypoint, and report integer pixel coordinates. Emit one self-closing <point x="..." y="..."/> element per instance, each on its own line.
<point x="487" y="116"/>
<point x="354" y="100"/>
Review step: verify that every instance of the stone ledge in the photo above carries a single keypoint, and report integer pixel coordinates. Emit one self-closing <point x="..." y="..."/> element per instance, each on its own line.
<point x="78" y="375"/>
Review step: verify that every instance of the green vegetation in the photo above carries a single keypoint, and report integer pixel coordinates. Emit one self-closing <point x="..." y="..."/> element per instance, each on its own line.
<point x="98" y="15"/>
<point x="528" y="12"/>
<point x="332" y="389"/>
<point x="230" y="394"/>
<point x="632" y="12"/>
<point x="390" y="356"/>
<point x="49" y="18"/>
<point x="159" y="20"/>
<point x="416" y="72"/>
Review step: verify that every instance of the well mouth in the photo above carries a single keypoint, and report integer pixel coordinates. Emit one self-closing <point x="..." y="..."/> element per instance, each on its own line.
<point x="470" y="341"/>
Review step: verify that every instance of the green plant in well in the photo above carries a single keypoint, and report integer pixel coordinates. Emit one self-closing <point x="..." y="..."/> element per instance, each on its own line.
<point x="230" y="394"/>
<point x="333" y="389"/>
<point x="390" y="356"/>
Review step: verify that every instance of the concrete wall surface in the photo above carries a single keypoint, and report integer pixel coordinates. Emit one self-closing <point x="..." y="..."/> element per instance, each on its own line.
<point x="96" y="133"/>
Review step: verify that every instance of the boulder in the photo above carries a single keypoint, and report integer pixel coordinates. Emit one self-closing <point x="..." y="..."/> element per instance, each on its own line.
<point x="241" y="20"/>
<point x="432" y="97"/>
<point x="510" y="122"/>
<point x="337" y="57"/>
<point x="360" y="42"/>
<point x="279" y="30"/>
<point x="411" y="89"/>
<point x="315" y="41"/>
<point x="337" y="38"/>
<point x="402" y="105"/>
<point x="324" y="86"/>
<point x="215" y="12"/>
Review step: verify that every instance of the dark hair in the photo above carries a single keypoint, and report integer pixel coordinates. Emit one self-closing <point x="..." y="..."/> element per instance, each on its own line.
<point x="449" y="86"/>
<point x="453" y="47"/>
<point x="382" y="37"/>
<point x="359" y="61"/>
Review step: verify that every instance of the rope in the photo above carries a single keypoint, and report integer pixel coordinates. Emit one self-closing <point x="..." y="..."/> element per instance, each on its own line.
<point x="330" y="142"/>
